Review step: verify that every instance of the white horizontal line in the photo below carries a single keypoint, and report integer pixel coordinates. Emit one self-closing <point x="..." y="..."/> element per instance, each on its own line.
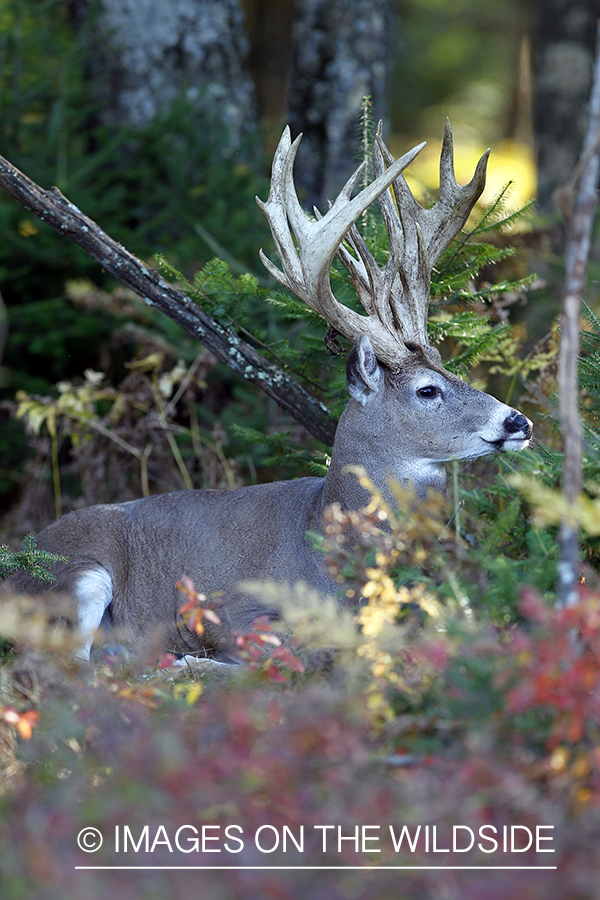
<point x="277" y="868"/>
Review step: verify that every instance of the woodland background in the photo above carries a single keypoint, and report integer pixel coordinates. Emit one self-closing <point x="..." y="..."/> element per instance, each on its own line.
<point x="158" y="121"/>
<point x="458" y="693"/>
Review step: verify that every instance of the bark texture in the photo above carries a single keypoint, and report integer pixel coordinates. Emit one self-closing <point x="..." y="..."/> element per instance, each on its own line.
<point x="579" y="201"/>
<point x="146" y="52"/>
<point x="563" y="55"/>
<point x="341" y="51"/>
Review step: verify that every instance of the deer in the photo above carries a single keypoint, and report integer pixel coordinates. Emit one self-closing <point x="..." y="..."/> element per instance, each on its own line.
<point x="405" y="418"/>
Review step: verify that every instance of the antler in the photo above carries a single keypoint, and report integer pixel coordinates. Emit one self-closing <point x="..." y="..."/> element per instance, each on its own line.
<point x="395" y="296"/>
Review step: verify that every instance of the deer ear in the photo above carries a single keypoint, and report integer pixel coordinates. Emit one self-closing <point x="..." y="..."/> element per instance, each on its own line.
<point x="363" y="373"/>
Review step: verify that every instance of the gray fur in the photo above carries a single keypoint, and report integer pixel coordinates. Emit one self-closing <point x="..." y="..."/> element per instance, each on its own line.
<point x="220" y="538"/>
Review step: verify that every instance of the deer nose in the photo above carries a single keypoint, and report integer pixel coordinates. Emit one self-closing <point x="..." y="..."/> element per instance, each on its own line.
<point x="517" y="422"/>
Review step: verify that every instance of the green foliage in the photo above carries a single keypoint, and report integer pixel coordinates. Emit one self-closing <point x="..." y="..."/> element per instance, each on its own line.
<point x="456" y="691"/>
<point x="455" y="59"/>
<point x="29" y="559"/>
<point x="475" y="336"/>
<point x="278" y="448"/>
<point x="282" y="327"/>
<point x="148" y="189"/>
<point x="540" y="475"/>
<point x="506" y="549"/>
<point x="173" y="187"/>
<point x="589" y="379"/>
<point x="511" y="523"/>
<point x="275" y="321"/>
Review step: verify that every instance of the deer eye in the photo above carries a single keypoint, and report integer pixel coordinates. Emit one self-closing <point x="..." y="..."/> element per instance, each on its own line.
<point x="429" y="392"/>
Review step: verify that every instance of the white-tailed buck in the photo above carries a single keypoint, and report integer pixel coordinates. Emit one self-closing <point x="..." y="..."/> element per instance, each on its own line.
<point x="406" y="416"/>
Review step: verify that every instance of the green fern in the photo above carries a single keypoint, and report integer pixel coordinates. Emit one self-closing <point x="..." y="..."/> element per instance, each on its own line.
<point x="278" y="448"/>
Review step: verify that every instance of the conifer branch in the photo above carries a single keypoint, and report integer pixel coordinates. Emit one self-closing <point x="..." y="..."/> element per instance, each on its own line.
<point x="57" y="211"/>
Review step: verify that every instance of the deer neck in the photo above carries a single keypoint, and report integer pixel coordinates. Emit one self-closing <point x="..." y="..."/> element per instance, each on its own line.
<point x="382" y="460"/>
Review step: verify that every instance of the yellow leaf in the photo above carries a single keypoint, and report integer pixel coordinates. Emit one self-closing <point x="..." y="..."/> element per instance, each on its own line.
<point x="191" y="691"/>
<point x="375" y="701"/>
<point x="27" y="228"/>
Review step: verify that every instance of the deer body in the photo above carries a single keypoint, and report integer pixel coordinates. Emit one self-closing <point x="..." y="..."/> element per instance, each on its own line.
<point x="406" y="417"/>
<point x="127" y="558"/>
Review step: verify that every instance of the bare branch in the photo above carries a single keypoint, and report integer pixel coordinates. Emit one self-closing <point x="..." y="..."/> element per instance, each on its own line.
<point x="56" y="210"/>
<point x="580" y="208"/>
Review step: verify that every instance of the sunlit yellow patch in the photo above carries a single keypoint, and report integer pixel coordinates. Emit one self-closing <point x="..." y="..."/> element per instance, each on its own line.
<point x="584" y="795"/>
<point x="510" y="161"/>
<point x="581" y="767"/>
<point x="190" y="692"/>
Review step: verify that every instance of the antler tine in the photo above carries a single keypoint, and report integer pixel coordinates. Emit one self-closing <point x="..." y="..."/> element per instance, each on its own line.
<point x="371" y="282"/>
<point x="274" y="210"/>
<point x="398" y="292"/>
<point x="360" y="274"/>
<point x="444" y="220"/>
<point x="417" y="237"/>
<point x="459" y="199"/>
<point x="306" y="270"/>
<point x="408" y="306"/>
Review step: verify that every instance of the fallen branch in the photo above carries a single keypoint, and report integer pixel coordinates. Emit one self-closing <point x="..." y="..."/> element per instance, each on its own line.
<point x="57" y="211"/>
<point x="578" y="203"/>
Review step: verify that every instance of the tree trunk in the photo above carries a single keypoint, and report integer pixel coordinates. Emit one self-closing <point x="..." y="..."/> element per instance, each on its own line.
<point x="148" y="52"/>
<point x="563" y="55"/>
<point x="579" y="202"/>
<point x="342" y="50"/>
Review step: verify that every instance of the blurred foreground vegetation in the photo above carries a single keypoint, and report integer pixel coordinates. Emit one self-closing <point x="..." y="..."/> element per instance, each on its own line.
<point x="418" y="711"/>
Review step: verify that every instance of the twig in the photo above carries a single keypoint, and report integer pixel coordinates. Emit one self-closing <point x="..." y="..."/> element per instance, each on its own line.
<point x="58" y="212"/>
<point x="170" y="406"/>
<point x="579" y="221"/>
<point x="140" y="455"/>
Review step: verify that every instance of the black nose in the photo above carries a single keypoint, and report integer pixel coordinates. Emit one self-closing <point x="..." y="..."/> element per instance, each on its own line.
<point x="516" y="422"/>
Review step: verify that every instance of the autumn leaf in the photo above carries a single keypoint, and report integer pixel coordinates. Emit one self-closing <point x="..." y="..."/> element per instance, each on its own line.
<point x="194" y="612"/>
<point x="23" y="722"/>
